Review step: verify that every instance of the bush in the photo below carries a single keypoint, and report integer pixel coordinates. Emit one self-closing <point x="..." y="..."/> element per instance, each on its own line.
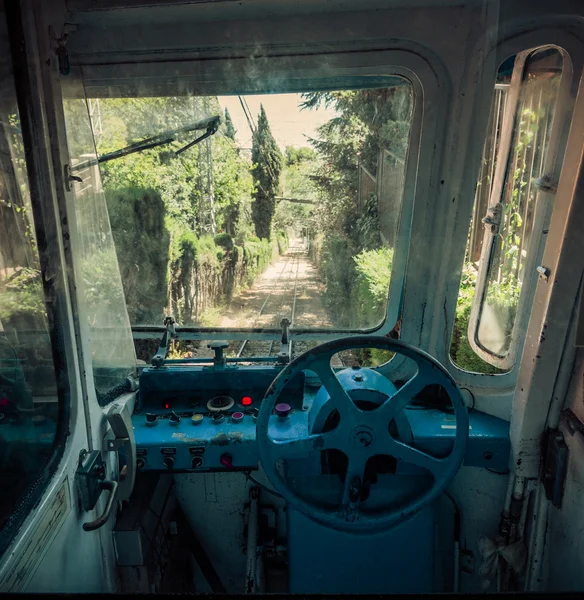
<point x="22" y="299"/>
<point x="257" y="255"/>
<point x="356" y="286"/>
<point x="225" y="241"/>
<point x="283" y="241"/>
<point x="461" y="352"/>
<point x="371" y="292"/>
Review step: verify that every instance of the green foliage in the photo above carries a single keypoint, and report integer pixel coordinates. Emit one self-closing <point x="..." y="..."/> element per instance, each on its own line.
<point x="267" y="167"/>
<point x="103" y="293"/>
<point x="366" y="230"/>
<point x="225" y="241"/>
<point x="295" y="156"/>
<point x="461" y="351"/>
<point x="349" y="255"/>
<point x="374" y="274"/>
<point x="142" y="245"/>
<point x="283" y="241"/>
<point x="357" y="286"/>
<point x="22" y="297"/>
<point x="257" y="255"/>
<point x="230" y="130"/>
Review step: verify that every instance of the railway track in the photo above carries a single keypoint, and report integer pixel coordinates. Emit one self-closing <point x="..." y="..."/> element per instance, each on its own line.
<point x="279" y="305"/>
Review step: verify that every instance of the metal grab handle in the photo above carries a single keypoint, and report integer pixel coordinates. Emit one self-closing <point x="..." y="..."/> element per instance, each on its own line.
<point x="112" y="486"/>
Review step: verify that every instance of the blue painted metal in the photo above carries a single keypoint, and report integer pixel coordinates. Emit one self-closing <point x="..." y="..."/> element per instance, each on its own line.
<point x="187" y="389"/>
<point x="361" y="435"/>
<point x="398" y="561"/>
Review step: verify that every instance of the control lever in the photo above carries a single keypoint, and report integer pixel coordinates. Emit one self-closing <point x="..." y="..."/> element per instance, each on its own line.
<point x="218" y="346"/>
<point x="285" y="354"/>
<point x="120" y="420"/>
<point x="169" y="334"/>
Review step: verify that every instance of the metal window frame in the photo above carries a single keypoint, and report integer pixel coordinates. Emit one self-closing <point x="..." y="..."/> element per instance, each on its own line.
<point x="47" y="224"/>
<point x="542" y="216"/>
<point x="428" y="85"/>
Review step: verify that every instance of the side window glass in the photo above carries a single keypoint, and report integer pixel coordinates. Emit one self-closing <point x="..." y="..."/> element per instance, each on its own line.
<point x="513" y="205"/>
<point x="29" y="401"/>
<point x="104" y="305"/>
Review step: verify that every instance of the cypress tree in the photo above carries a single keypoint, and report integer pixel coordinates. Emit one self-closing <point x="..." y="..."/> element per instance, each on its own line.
<point x="267" y="167"/>
<point x="230" y="130"/>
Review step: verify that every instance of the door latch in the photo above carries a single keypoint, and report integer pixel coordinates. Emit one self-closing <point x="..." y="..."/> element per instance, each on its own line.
<point x="493" y="219"/>
<point x="555" y="463"/>
<point x="90" y="481"/>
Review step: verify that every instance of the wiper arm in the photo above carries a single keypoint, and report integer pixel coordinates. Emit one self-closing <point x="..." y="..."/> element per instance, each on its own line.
<point x="211" y="125"/>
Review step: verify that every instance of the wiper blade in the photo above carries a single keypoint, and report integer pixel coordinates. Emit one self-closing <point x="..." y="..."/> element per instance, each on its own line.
<point x="211" y="125"/>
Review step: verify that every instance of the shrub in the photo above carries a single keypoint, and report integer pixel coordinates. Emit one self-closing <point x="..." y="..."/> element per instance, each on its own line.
<point x="371" y="292"/>
<point x="461" y="351"/>
<point x="225" y="241"/>
<point x="283" y="241"/>
<point x="22" y="298"/>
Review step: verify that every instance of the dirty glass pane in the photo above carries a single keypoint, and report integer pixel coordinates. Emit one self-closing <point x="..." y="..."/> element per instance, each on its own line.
<point x="98" y="274"/>
<point x="461" y="351"/>
<point x="29" y="404"/>
<point x="289" y="209"/>
<point x="522" y="199"/>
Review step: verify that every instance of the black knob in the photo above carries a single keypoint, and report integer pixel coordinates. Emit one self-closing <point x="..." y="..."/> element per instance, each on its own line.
<point x="283" y="410"/>
<point x="168" y="462"/>
<point x="197" y="462"/>
<point x="151" y="418"/>
<point x="140" y="463"/>
<point x="174" y="419"/>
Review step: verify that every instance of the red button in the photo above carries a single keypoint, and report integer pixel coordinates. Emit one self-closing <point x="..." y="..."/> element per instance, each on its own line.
<point x="246" y="400"/>
<point x="237" y="416"/>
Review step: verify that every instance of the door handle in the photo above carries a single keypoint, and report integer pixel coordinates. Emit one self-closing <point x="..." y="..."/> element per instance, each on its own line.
<point x="112" y="487"/>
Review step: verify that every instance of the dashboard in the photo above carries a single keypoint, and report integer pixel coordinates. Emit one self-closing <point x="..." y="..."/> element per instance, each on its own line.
<point x="203" y="418"/>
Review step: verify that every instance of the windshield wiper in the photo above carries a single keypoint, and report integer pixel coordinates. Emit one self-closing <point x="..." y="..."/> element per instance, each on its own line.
<point x="211" y="125"/>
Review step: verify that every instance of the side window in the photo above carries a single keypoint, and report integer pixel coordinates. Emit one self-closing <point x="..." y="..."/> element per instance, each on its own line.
<point x="513" y="206"/>
<point x="30" y="404"/>
<point x="102" y="299"/>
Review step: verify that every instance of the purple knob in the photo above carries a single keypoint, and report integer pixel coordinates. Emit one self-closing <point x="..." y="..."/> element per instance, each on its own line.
<point x="283" y="410"/>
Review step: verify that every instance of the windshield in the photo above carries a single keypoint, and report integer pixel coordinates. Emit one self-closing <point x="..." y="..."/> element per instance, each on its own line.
<point x="286" y="207"/>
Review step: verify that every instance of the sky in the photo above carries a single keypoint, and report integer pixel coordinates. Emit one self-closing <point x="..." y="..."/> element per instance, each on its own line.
<point x="288" y="123"/>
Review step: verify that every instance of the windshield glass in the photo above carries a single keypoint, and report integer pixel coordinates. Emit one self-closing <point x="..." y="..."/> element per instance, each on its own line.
<point x="284" y="206"/>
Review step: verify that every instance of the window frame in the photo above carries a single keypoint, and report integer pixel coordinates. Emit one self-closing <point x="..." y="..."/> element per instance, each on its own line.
<point x="47" y="232"/>
<point x="495" y="392"/>
<point x="367" y="67"/>
<point x="542" y="217"/>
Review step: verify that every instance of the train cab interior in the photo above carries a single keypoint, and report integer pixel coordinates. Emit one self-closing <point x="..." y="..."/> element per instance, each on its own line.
<point x="291" y="296"/>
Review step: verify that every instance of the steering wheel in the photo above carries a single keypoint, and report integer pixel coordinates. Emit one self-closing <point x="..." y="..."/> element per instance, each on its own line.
<point x="360" y="435"/>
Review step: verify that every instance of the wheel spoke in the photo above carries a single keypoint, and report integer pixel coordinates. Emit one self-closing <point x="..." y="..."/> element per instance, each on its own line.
<point x="396" y="403"/>
<point x="303" y="447"/>
<point x="413" y="456"/>
<point x="339" y="398"/>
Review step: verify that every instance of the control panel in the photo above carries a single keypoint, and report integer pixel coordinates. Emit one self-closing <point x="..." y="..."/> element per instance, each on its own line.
<point x="204" y="418"/>
<point x="193" y="418"/>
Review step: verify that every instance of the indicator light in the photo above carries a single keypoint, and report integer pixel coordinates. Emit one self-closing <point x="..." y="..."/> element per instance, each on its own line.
<point x="4" y="402"/>
<point x="166" y="405"/>
<point x="246" y="400"/>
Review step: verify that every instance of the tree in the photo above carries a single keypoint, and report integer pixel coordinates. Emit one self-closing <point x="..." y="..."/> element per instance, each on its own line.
<point x="230" y="130"/>
<point x="267" y="167"/>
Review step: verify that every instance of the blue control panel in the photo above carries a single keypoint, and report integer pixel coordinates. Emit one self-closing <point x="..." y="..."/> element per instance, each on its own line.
<point x="192" y="419"/>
